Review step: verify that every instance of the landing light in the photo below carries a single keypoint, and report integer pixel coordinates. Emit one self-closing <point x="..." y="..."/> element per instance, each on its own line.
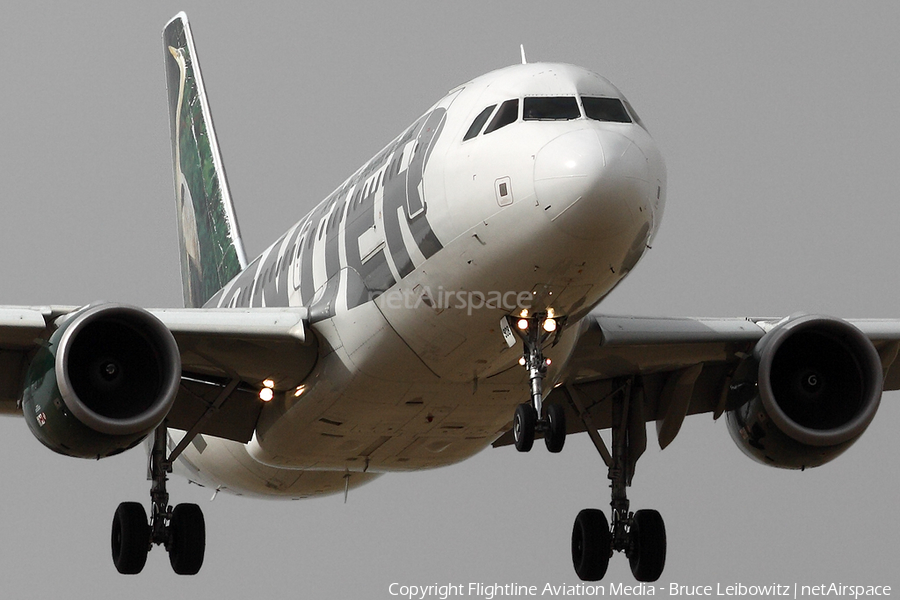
<point x="299" y="391"/>
<point x="522" y="361"/>
<point x="550" y="325"/>
<point x="266" y="394"/>
<point x="269" y="383"/>
<point x="524" y="313"/>
<point x="522" y="324"/>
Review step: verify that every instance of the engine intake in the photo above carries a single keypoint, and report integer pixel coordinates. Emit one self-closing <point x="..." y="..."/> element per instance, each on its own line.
<point x="809" y="391"/>
<point x="107" y="377"/>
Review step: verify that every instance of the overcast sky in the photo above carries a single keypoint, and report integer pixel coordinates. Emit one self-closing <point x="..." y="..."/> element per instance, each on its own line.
<point x="780" y="126"/>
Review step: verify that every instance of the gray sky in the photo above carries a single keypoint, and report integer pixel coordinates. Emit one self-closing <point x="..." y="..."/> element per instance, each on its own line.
<point x="780" y="127"/>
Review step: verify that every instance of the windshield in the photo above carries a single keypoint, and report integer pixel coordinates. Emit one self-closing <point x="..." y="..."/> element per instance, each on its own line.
<point x="605" y="109"/>
<point x="551" y="108"/>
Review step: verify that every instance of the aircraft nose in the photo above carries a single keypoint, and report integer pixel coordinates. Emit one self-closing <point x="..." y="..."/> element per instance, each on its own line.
<point x="593" y="184"/>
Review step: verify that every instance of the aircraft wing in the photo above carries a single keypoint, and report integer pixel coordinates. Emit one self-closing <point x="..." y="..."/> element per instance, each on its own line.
<point x="217" y="347"/>
<point x="685" y="366"/>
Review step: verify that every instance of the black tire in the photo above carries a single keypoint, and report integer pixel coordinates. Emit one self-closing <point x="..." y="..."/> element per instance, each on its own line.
<point x="591" y="545"/>
<point x="187" y="543"/>
<point x="555" y="436"/>
<point x="648" y="554"/>
<point x="523" y="427"/>
<point x="130" y="538"/>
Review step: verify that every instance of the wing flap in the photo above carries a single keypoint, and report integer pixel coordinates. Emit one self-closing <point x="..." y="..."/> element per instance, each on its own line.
<point x="234" y="420"/>
<point x="246" y="344"/>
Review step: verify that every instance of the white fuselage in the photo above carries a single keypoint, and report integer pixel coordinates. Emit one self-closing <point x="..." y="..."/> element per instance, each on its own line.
<point x="409" y="267"/>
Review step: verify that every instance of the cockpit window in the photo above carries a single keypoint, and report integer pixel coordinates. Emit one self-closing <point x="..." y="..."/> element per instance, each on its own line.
<point x="478" y="123"/>
<point x="605" y="109"/>
<point x="560" y="108"/>
<point x="508" y="113"/>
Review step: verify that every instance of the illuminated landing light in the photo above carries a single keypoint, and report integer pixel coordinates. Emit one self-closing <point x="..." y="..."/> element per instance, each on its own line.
<point x="266" y="394"/>
<point x="299" y="391"/>
<point x="522" y="361"/>
<point x="550" y="325"/>
<point x="524" y="313"/>
<point x="522" y="324"/>
<point x="547" y="362"/>
<point x="269" y="383"/>
<point x="550" y="313"/>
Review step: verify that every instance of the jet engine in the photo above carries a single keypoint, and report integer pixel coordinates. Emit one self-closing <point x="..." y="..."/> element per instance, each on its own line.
<point x="810" y="389"/>
<point x="105" y="379"/>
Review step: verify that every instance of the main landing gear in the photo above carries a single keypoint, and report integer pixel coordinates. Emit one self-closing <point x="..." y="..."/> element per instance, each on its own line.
<point x="535" y="332"/>
<point x="640" y="535"/>
<point x="181" y="529"/>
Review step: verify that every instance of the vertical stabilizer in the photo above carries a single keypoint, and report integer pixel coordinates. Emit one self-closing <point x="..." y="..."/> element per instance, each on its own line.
<point x="211" y="249"/>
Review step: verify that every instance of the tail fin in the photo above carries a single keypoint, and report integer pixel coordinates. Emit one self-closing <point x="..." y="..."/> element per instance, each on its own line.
<point x="211" y="249"/>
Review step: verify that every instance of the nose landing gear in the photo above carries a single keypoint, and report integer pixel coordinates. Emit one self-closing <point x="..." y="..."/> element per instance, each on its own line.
<point x="535" y="332"/>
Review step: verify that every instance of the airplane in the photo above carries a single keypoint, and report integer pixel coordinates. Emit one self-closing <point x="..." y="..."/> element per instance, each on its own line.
<point x="366" y="341"/>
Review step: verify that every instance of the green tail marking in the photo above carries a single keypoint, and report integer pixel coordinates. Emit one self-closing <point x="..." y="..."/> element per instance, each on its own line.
<point x="211" y="249"/>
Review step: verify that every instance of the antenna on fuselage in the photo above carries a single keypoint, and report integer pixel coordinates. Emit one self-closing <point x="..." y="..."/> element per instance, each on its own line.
<point x="522" y="49"/>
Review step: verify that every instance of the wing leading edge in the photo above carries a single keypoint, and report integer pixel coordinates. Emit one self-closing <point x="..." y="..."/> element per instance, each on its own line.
<point x="684" y="365"/>
<point x="217" y="347"/>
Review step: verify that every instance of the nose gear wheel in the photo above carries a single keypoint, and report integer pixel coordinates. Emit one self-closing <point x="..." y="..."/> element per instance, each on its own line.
<point x="536" y="332"/>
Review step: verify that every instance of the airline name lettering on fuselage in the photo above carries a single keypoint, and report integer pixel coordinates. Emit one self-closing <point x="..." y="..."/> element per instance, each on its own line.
<point x="370" y="210"/>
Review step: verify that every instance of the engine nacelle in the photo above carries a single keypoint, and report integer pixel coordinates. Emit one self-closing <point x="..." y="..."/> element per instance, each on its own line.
<point x="106" y="378"/>
<point x="810" y="389"/>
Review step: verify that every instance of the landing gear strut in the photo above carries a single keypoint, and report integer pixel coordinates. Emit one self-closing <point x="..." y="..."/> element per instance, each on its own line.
<point x="181" y="529"/>
<point x="535" y="332"/>
<point x="640" y="535"/>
